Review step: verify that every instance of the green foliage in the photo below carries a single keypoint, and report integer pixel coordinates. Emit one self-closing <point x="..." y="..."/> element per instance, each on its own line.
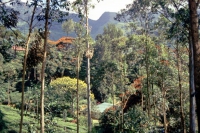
<point x="35" y="54"/>
<point x="11" y="117"/>
<point x="107" y="61"/>
<point x="109" y="121"/>
<point x="2" y="122"/>
<point x="8" y="39"/>
<point x="116" y="58"/>
<point x="83" y="121"/>
<point x="68" y="26"/>
<point x="67" y="84"/>
<point x="136" y="120"/>
<point x="9" y="16"/>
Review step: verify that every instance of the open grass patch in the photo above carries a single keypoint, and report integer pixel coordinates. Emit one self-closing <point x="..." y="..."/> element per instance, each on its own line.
<point x="11" y="119"/>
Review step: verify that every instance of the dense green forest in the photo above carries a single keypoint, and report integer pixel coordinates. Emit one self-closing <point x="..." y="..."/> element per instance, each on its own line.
<point x="140" y="75"/>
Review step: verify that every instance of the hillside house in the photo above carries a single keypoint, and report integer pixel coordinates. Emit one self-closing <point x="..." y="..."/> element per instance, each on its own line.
<point x="62" y="43"/>
<point x="18" y="48"/>
<point x="97" y="110"/>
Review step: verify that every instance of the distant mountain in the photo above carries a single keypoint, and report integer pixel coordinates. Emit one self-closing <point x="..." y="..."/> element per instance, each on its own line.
<point x="95" y="25"/>
<point x="56" y="31"/>
<point x="56" y="28"/>
<point x="98" y="25"/>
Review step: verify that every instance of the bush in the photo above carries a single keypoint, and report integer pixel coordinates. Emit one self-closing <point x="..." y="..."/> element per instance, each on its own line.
<point x="2" y="122"/>
<point x="109" y="121"/>
<point x="136" y="120"/>
<point x="83" y="121"/>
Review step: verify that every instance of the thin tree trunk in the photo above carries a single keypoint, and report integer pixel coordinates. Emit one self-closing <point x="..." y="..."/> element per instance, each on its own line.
<point x="192" y="88"/>
<point x="147" y="68"/>
<point x="183" y="128"/>
<point x="113" y="96"/>
<point x="24" y="68"/>
<point x="88" y="70"/>
<point x="77" y="95"/>
<point x="42" y="124"/>
<point x="164" y="112"/>
<point x="142" y="101"/>
<point x="72" y="105"/>
<point x="193" y="5"/>
<point x="123" y="105"/>
<point x="8" y="92"/>
<point x="154" y="104"/>
<point x="163" y="105"/>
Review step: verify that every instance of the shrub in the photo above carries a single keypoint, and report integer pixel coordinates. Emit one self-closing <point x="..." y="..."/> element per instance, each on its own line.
<point x="2" y="122"/>
<point x="83" y="121"/>
<point x="136" y="120"/>
<point x="109" y="121"/>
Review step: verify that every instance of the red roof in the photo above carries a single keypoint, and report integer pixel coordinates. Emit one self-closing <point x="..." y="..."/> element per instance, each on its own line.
<point x="18" y="48"/>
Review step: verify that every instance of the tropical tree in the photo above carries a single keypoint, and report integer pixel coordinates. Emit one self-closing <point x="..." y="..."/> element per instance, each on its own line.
<point x="82" y="8"/>
<point x="68" y="26"/>
<point x="25" y="63"/>
<point x="67" y="87"/>
<point x="9" y="16"/>
<point x="109" y="46"/>
<point x="140" y="123"/>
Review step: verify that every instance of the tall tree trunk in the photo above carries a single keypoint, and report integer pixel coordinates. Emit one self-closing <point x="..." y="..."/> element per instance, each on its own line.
<point x="24" y="67"/>
<point x="8" y="92"/>
<point x="192" y="87"/>
<point x="183" y="128"/>
<point x="154" y="103"/>
<point x="147" y="66"/>
<point x="163" y="104"/>
<point x="72" y="105"/>
<point x="113" y="95"/>
<point x="42" y="124"/>
<point x="196" y="47"/>
<point x="77" y="95"/>
<point x="88" y="70"/>
<point x="164" y="111"/>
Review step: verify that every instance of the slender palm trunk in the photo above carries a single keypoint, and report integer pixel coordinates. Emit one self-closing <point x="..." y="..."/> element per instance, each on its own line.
<point x="24" y="68"/>
<point x="42" y="124"/>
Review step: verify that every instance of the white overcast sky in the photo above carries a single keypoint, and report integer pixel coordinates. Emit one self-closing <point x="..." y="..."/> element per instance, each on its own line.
<point x="105" y="5"/>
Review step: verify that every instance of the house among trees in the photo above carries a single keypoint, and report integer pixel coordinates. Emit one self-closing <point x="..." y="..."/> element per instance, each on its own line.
<point x="62" y="43"/>
<point x="99" y="109"/>
<point x="18" y="48"/>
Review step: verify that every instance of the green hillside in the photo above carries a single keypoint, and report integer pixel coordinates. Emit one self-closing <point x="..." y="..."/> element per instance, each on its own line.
<point x="10" y="118"/>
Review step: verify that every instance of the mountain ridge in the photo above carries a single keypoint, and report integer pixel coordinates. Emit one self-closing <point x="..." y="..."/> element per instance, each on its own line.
<point x="56" y="30"/>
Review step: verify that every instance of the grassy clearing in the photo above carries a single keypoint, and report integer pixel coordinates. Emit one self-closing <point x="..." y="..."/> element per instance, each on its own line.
<point x="11" y="118"/>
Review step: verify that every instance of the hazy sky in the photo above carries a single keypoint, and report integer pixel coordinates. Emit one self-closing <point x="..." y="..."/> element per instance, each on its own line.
<point x="105" y="5"/>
